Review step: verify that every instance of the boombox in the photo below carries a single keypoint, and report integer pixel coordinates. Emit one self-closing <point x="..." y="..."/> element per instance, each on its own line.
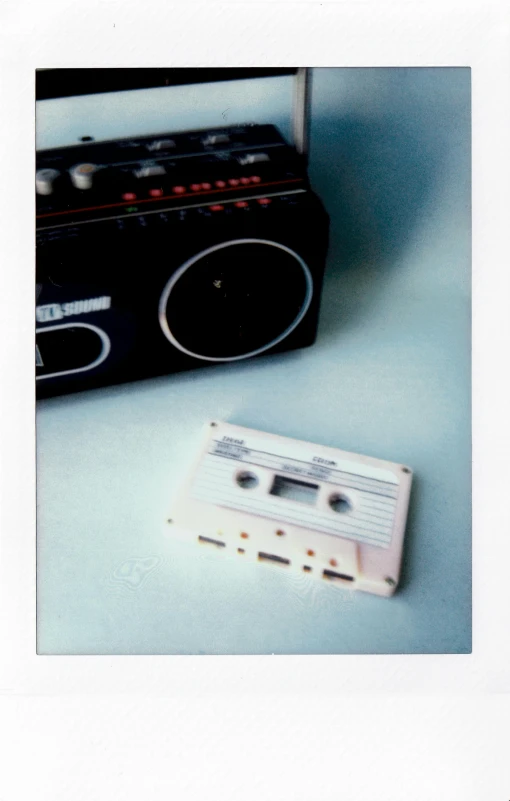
<point x="157" y="254"/>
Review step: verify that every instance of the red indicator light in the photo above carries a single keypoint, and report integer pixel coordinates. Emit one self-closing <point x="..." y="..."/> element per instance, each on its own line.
<point x="233" y="181"/>
<point x="264" y="201"/>
<point x="217" y="208"/>
<point x="220" y="184"/>
<point x="196" y="187"/>
<point x="241" y="204"/>
<point x="245" y="181"/>
<point x="178" y="190"/>
<point x="129" y="196"/>
<point x="155" y="192"/>
<point x="206" y="186"/>
<point x="255" y="179"/>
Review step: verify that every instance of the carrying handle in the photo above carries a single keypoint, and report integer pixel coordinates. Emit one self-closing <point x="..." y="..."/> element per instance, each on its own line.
<point x="54" y="83"/>
<point x="301" y="110"/>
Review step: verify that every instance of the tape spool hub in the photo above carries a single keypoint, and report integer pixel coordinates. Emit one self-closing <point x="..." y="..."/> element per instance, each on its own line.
<point x="235" y="300"/>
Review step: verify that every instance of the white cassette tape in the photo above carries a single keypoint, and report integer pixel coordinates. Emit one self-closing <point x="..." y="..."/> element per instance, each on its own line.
<point x="331" y="514"/>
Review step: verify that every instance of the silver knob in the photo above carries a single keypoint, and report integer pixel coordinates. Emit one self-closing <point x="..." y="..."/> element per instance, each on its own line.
<point x="44" y="180"/>
<point x="82" y="175"/>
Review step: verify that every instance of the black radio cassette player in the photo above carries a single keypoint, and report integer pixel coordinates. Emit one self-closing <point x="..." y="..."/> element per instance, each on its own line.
<point x="157" y="254"/>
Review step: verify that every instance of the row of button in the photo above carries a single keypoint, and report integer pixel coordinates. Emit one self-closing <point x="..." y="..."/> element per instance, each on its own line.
<point x="218" y="207"/>
<point x="245" y="137"/>
<point x="82" y="175"/>
<point x="169" y="144"/>
<point x="210" y="141"/>
<point x="143" y="221"/>
<point x="204" y="212"/>
<point x="151" y="169"/>
<point x="198" y="187"/>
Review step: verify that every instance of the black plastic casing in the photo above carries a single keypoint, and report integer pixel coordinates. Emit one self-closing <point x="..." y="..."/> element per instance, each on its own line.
<point x="107" y="255"/>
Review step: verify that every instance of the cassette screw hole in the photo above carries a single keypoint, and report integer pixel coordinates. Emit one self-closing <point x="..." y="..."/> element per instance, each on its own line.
<point x="339" y="503"/>
<point x="247" y="480"/>
<point x="213" y="425"/>
<point x="390" y="582"/>
<point x="280" y="533"/>
<point x="169" y="520"/>
<point x="310" y="553"/>
<point x="405" y="470"/>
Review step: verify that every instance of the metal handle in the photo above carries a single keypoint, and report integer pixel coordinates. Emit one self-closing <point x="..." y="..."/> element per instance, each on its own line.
<point x="301" y="110"/>
<point x="53" y="83"/>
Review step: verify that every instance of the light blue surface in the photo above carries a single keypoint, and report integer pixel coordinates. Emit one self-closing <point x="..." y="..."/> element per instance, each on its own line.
<point x="389" y="376"/>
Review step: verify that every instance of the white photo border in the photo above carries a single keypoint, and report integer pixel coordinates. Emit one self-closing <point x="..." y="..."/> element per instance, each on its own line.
<point x="332" y="34"/>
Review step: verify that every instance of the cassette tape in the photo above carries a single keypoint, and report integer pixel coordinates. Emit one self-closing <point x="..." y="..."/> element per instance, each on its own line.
<point x="332" y="515"/>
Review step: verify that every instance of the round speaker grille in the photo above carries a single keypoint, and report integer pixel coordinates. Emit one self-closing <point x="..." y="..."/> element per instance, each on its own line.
<point x="235" y="300"/>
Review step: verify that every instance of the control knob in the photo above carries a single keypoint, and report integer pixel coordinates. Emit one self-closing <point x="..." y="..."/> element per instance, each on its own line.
<point x="44" y="180"/>
<point x="82" y="175"/>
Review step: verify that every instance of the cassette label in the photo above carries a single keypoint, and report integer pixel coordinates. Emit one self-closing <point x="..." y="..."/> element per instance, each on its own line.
<point x="371" y="494"/>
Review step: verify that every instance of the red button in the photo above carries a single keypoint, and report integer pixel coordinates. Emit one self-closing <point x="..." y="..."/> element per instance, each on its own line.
<point x="217" y="208"/>
<point x="255" y="179"/>
<point x="178" y="190"/>
<point x="245" y="180"/>
<point x="196" y="187"/>
<point x="264" y="201"/>
<point x="241" y="204"/>
<point x="233" y="181"/>
<point x="206" y="186"/>
<point x="220" y="184"/>
<point x="129" y="196"/>
<point x="155" y="192"/>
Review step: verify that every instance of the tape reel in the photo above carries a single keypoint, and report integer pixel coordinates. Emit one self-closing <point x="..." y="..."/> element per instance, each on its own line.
<point x="333" y="515"/>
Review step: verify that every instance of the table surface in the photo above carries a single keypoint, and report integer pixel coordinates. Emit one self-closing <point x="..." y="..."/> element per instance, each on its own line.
<point x="389" y="376"/>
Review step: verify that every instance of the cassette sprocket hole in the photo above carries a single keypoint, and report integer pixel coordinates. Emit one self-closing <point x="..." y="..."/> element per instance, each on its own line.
<point x="340" y="503"/>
